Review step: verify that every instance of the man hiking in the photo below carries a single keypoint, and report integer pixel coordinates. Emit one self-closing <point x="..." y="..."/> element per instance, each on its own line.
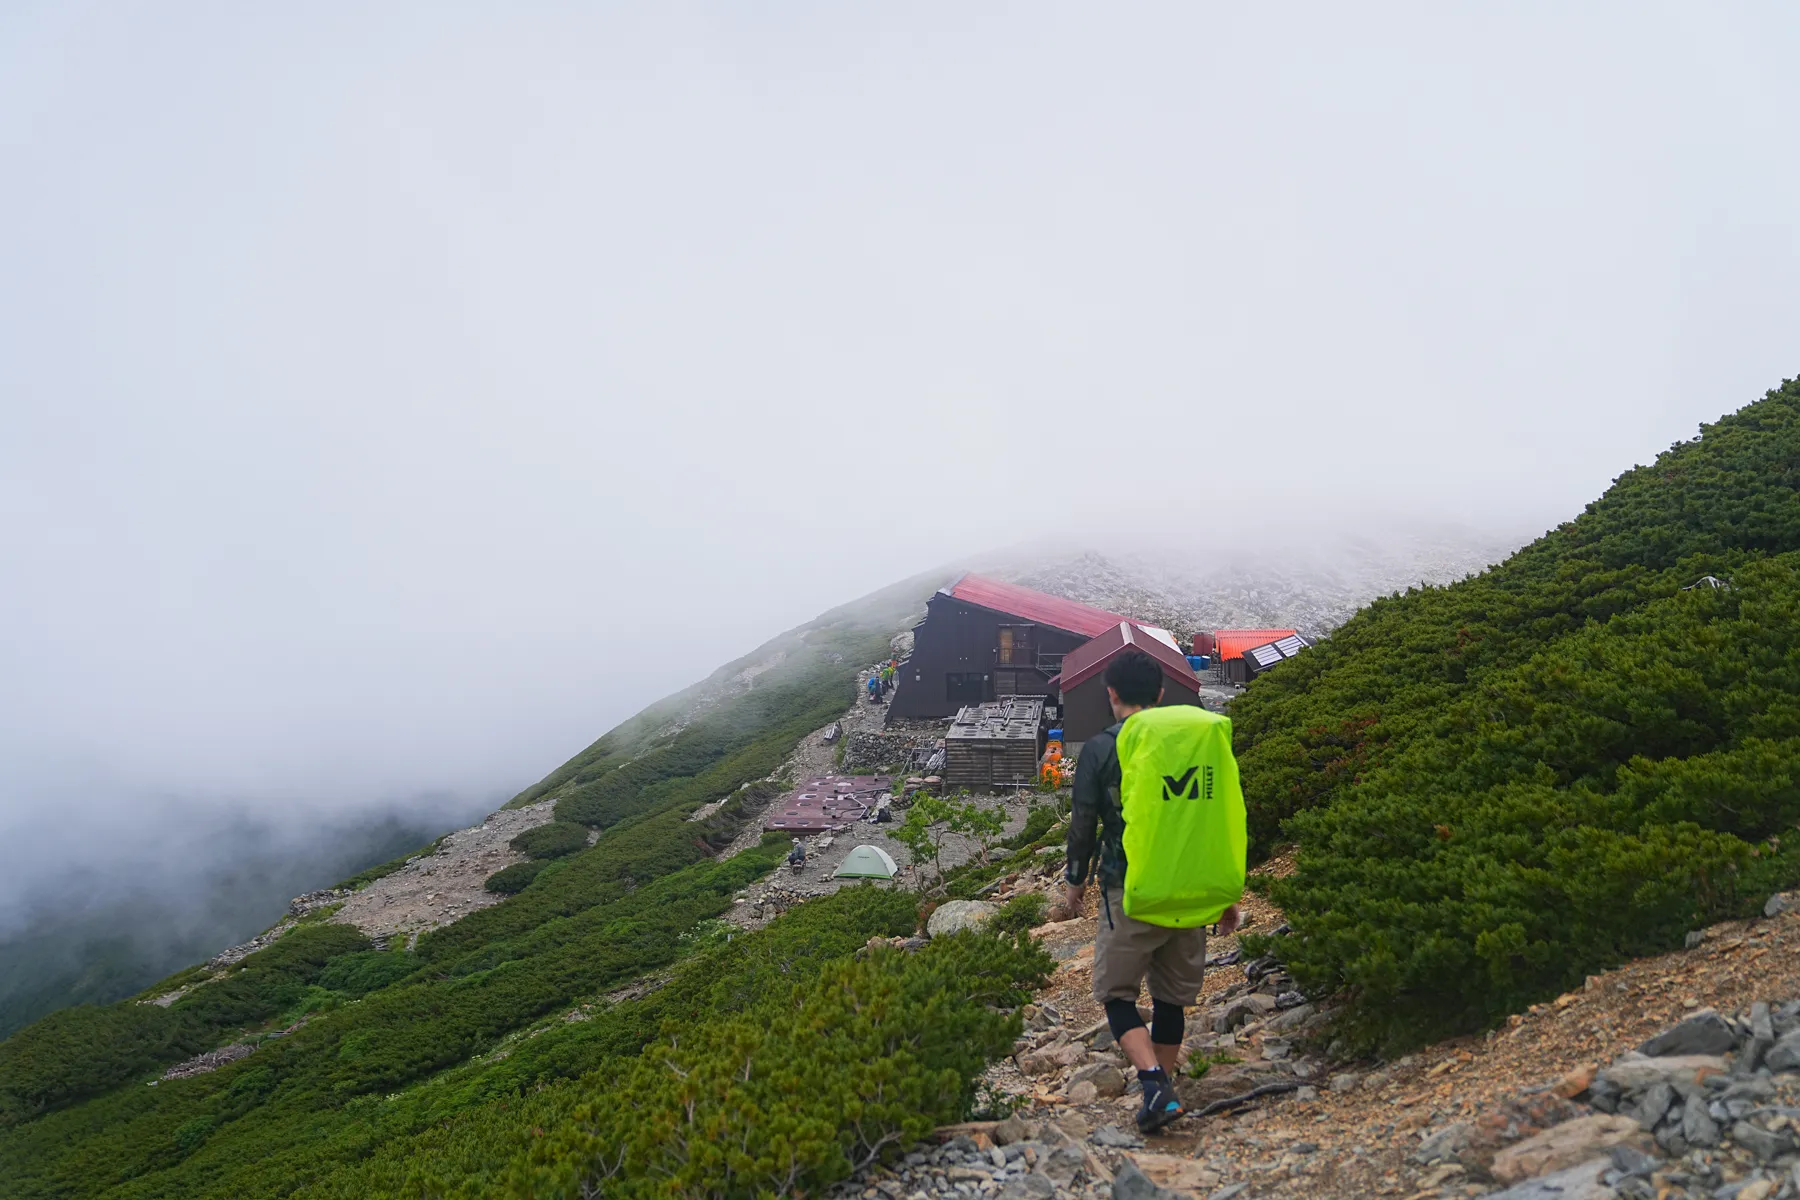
<point x="1162" y="787"/>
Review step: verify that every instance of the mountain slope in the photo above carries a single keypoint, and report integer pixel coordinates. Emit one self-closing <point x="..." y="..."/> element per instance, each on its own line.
<point x="381" y="1047"/>
<point x="1501" y="785"/>
<point x="102" y="937"/>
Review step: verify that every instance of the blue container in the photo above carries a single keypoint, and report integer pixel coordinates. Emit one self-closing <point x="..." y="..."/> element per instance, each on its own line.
<point x="1056" y="735"/>
<point x="1197" y="662"/>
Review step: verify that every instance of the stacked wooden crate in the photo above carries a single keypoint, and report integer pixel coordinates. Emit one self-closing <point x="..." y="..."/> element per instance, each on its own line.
<point x="995" y="744"/>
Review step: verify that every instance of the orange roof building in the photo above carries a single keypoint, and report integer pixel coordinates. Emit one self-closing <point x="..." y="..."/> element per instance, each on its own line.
<point x="1233" y="642"/>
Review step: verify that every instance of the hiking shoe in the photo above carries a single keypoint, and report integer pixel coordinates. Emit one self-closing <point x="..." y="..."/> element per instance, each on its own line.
<point x="1161" y="1105"/>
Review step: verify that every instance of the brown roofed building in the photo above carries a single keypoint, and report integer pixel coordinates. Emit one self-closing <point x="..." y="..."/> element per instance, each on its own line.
<point x="1086" y="710"/>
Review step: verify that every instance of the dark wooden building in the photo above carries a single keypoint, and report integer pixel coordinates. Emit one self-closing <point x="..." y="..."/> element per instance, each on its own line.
<point x="1085" y="708"/>
<point x="982" y="639"/>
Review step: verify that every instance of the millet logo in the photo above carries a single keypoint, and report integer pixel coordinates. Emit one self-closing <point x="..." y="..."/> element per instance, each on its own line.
<point x="1193" y="783"/>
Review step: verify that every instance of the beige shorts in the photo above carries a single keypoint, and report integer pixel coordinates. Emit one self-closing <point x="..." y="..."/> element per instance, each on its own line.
<point x="1127" y="952"/>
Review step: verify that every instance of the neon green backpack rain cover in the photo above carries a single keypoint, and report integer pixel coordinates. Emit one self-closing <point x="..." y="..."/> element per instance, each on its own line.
<point x="1184" y="816"/>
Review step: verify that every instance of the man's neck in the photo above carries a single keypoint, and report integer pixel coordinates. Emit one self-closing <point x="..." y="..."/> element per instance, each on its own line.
<point x="1127" y="710"/>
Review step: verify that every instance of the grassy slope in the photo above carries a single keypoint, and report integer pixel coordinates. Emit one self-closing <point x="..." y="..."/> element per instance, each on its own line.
<point x="1508" y="782"/>
<point x="78" y="1120"/>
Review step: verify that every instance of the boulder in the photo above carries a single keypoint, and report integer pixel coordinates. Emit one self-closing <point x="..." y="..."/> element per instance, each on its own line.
<point x="1779" y="903"/>
<point x="1762" y="1025"/>
<point x="1634" y="1072"/>
<point x="1702" y="1033"/>
<point x="1062" y="1165"/>
<point x="1580" y="1182"/>
<point x="1130" y="1183"/>
<point x="1013" y="1129"/>
<point x="1563" y="1146"/>
<point x="1657" y="1099"/>
<point x="1028" y="1187"/>
<point x="1697" y="1125"/>
<point x="1293" y="1017"/>
<point x="1575" y="1082"/>
<point x="1446" y="1142"/>
<point x="1784" y="1055"/>
<point x="1049" y="1059"/>
<point x="1244" y="1008"/>
<point x="1174" y="1172"/>
<point x="1217" y="1084"/>
<point x="1114" y="1138"/>
<point x="1081" y="1093"/>
<point x="1759" y="1141"/>
<point x="954" y="916"/>
<point x="1107" y="1079"/>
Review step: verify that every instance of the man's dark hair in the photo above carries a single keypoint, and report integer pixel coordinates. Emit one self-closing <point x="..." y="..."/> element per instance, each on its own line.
<point x="1137" y="678"/>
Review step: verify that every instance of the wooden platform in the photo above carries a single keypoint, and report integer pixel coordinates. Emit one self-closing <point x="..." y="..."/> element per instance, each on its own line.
<point x="826" y="804"/>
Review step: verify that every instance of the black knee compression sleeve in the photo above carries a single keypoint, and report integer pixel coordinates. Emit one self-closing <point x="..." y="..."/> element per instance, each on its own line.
<point x="1167" y="1023"/>
<point x="1123" y="1017"/>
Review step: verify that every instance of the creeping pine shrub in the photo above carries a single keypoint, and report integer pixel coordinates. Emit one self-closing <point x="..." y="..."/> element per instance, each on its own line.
<point x="1500" y="786"/>
<point x="508" y="881"/>
<point x="1021" y="913"/>
<point x="86" y="1050"/>
<point x="367" y="971"/>
<point x="551" y="841"/>
<point x="1039" y="820"/>
<point x="829" y="1077"/>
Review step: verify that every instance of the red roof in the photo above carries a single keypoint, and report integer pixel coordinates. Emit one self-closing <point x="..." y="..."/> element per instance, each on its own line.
<point x="1233" y="642"/>
<point x="1016" y="601"/>
<point x="1090" y="658"/>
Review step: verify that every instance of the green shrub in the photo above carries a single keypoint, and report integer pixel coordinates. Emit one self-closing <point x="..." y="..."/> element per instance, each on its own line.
<point x="370" y="970"/>
<point x="797" y="1095"/>
<point x="552" y="841"/>
<point x="84" y="1051"/>
<point x="1503" y="785"/>
<point x="1040" y="819"/>
<point x="1021" y="913"/>
<point x="509" y="881"/>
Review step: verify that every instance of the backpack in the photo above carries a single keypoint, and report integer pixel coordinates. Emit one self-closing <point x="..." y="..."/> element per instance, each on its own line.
<point x="1184" y="816"/>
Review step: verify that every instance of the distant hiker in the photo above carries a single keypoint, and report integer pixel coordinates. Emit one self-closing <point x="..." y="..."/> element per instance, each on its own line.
<point x="874" y="687"/>
<point x="797" y="855"/>
<point x="1162" y="787"/>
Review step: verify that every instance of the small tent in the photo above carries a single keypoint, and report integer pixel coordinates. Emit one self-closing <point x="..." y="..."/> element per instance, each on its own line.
<point x="866" y="862"/>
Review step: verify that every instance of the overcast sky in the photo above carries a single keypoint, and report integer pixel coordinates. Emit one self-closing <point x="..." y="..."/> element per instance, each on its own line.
<point x="394" y="397"/>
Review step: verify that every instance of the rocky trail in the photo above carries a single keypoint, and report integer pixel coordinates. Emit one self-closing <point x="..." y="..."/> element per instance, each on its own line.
<point x="1674" y="1076"/>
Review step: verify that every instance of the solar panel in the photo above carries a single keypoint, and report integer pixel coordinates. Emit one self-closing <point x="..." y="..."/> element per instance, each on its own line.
<point x="1265" y="656"/>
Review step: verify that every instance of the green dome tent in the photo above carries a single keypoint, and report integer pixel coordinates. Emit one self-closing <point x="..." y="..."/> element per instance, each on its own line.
<point x="866" y="862"/>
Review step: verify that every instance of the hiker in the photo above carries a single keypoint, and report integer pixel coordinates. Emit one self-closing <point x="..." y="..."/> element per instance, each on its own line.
<point x="874" y="687"/>
<point x="797" y="856"/>
<point x="1162" y="787"/>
